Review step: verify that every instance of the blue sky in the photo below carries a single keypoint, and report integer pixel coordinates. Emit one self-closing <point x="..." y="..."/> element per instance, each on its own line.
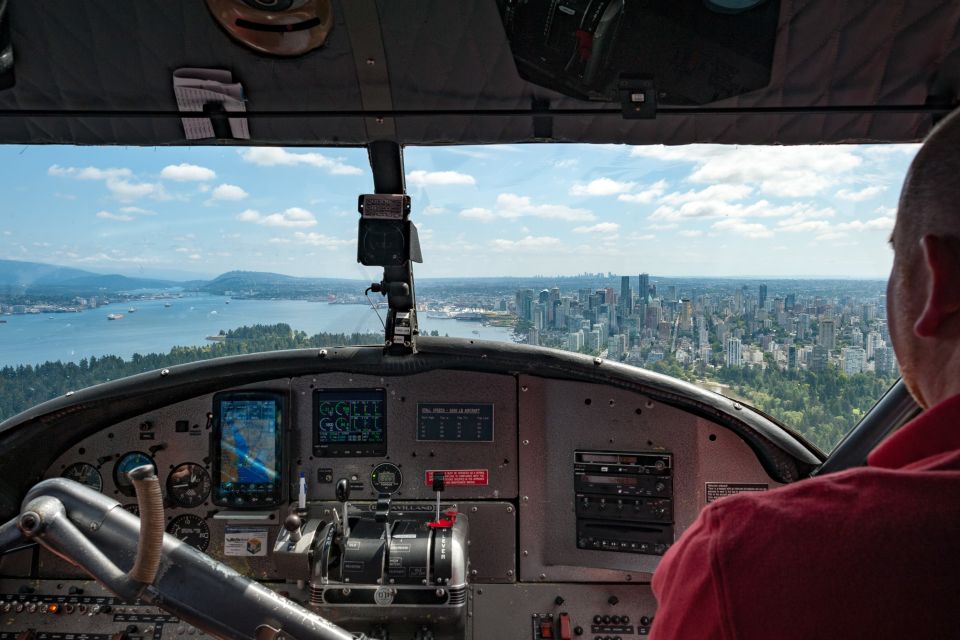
<point x="704" y="210"/>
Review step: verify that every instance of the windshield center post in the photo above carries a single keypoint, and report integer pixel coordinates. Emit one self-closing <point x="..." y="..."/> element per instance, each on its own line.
<point x="388" y="238"/>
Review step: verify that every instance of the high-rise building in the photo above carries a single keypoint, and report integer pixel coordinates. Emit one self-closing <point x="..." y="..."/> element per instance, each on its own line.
<point x="762" y="299"/>
<point x="734" y="352"/>
<point x="819" y="358"/>
<point x="874" y="342"/>
<point x="643" y="289"/>
<point x="792" y="362"/>
<point x="828" y="334"/>
<point x="885" y="361"/>
<point x="626" y="296"/>
<point x="854" y="360"/>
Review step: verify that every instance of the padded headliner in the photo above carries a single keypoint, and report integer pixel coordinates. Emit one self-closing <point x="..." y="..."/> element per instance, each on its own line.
<point x="107" y="55"/>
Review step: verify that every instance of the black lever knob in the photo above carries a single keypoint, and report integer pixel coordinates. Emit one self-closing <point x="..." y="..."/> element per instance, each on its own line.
<point x="343" y="490"/>
<point x="292" y="523"/>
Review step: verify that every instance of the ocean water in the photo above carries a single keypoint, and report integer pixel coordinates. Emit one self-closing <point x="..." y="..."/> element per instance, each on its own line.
<point x="154" y="328"/>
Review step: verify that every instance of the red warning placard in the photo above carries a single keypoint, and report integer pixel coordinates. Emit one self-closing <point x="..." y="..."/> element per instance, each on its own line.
<point x="460" y="477"/>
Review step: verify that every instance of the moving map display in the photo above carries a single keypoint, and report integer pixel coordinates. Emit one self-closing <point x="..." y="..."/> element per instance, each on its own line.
<point x="248" y="449"/>
<point x="349" y="422"/>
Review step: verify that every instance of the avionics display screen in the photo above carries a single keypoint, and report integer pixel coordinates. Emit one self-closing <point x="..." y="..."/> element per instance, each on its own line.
<point x="248" y="449"/>
<point x="349" y="422"/>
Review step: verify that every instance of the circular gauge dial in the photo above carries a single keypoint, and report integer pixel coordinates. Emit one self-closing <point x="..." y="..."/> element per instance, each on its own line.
<point x="127" y="463"/>
<point x="386" y="478"/>
<point x="191" y="529"/>
<point x="85" y="474"/>
<point x="188" y="485"/>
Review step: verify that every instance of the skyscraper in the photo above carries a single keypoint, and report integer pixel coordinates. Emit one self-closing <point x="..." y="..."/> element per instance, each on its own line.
<point x="828" y="333"/>
<point x="762" y="300"/>
<point x="626" y="296"/>
<point x="643" y="290"/>
<point x="734" y="352"/>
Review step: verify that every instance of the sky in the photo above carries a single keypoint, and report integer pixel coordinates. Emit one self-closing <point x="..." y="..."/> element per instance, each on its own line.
<point x="519" y="210"/>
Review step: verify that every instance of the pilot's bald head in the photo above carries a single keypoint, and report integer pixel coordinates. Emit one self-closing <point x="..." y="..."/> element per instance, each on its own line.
<point x="930" y="200"/>
<point x="923" y="295"/>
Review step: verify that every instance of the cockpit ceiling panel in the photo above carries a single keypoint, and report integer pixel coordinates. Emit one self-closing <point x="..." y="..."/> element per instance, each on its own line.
<point x="106" y="56"/>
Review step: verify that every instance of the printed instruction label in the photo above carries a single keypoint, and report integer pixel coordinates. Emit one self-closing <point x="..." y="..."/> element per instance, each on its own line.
<point x="460" y="477"/>
<point x="717" y="490"/>
<point x="245" y="541"/>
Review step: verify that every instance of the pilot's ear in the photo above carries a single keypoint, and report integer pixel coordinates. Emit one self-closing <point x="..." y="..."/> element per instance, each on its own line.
<point x="942" y="264"/>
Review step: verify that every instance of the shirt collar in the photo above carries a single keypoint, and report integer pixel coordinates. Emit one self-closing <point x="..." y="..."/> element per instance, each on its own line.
<point x="935" y="431"/>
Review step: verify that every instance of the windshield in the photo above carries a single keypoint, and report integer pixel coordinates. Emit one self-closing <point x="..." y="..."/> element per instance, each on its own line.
<point x="755" y="272"/>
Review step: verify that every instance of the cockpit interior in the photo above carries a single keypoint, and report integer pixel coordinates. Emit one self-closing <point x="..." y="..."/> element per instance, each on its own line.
<point x="424" y="487"/>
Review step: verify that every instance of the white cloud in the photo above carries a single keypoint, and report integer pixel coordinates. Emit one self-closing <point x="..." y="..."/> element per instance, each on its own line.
<point x="420" y="178"/>
<point x="746" y="229"/>
<point x="601" y="187"/>
<point x="119" y="217"/>
<point x="510" y="206"/>
<point x="882" y="223"/>
<point x="116" y="180"/>
<point x="89" y="173"/>
<point x="600" y="227"/>
<point x="706" y="209"/>
<point x="320" y="240"/>
<point x="230" y="192"/>
<point x="182" y="250"/>
<point x="691" y="233"/>
<point x="292" y="217"/>
<point x="567" y="163"/>
<point x="863" y="194"/>
<point x="125" y="191"/>
<point x="725" y="192"/>
<point x="793" y="171"/>
<point x="138" y="211"/>
<point x="646" y="196"/>
<point x="275" y="156"/>
<point x="184" y="172"/>
<point x="529" y="243"/>
<point x="433" y="210"/>
<point x="637" y="237"/>
<point x="478" y="213"/>
<point x="889" y="212"/>
<point x="663" y="226"/>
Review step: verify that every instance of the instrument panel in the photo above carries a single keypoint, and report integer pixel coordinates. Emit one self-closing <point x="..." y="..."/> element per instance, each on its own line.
<point x="565" y="484"/>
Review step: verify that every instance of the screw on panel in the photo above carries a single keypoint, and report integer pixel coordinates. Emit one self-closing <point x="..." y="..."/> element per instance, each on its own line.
<point x="526" y="498"/>
<point x="737" y="406"/>
<point x="543" y="576"/>
<point x="323" y="353"/>
<point x="649" y="404"/>
<point x="526" y="442"/>
<point x="526" y="553"/>
<point x="473" y="509"/>
<point x="164" y="372"/>
<point x="523" y="387"/>
<point x="598" y="361"/>
<point x="510" y="572"/>
<point x="509" y="509"/>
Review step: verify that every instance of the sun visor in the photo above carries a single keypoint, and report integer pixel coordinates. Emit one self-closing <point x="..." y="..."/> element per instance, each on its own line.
<point x="694" y="51"/>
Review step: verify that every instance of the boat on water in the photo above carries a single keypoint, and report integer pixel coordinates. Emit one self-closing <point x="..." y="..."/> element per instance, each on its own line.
<point x="167" y="304"/>
<point x="132" y="310"/>
<point x="114" y="316"/>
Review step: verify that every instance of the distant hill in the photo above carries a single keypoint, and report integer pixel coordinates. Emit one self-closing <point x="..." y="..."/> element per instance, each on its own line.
<point x="25" y="274"/>
<point x="263" y="283"/>
<point x="19" y="278"/>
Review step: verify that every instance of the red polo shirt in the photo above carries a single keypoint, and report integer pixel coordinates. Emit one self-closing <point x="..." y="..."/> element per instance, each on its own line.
<point x="872" y="552"/>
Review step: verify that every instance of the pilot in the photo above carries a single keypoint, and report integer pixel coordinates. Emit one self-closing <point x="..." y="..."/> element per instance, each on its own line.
<point x="872" y="551"/>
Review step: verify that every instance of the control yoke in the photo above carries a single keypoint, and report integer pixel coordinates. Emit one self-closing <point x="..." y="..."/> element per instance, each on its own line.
<point x="96" y="534"/>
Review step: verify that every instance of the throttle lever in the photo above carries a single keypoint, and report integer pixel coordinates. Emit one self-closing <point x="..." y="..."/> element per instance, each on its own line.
<point x="150" y="544"/>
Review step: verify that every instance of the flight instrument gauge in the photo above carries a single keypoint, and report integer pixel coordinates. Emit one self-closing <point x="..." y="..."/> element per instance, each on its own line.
<point x="188" y="485"/>
<point x="127" y="463"/>
<point x="386" y="478"/>
<point x="85" y="474"/>
<point x="190" y="529"/>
